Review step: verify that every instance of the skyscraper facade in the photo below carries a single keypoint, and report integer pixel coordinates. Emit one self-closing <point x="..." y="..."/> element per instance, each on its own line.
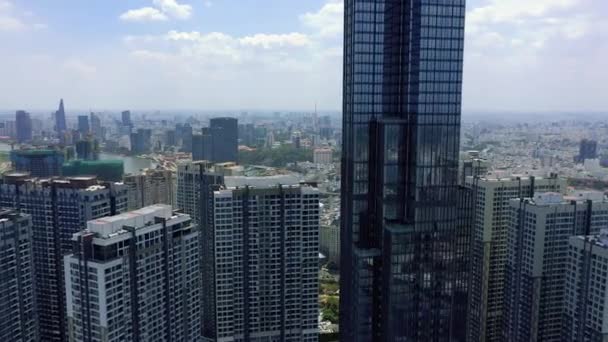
<point x="135" y="277"/>
<point x="96" y="127"/>
<point x="18" y="311"/>
<point x="58" y="208"/>
<point x="202" y="146"/>
<point x="23" y="126"/>
<point x="404" y="265"/>
<point x="225" y="137"/>
<point x="260" y="269"/>
<point x="492" y="194"/>
<point x="539" y="232"/>
<point x="60" y="122"/>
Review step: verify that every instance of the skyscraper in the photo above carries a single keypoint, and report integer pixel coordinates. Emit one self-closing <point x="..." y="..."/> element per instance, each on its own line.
<point x="87" y="149"/>
<point x="261" y="259"/>
<point x="586" y="312"/>
<point x="23" y="126"/>
<point x="83" y="125"/>
<point x="141" y="277"/>
<point x="18" y="311"/>
<point x="126" y="118"/>
<point x="489" y="255"/>
<point x="60" y="123"/>
<point x="537" y="254"/>
<point x="225" y="137"/>
<point x="141" y="141"/>
<point x="404" y="267"/>
<point x="59" y="208"/>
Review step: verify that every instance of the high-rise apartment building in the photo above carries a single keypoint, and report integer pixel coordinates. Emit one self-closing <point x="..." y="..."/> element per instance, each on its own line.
<point x="585" y="307"/>
<point x="404" y="266"/>
<point x="225" y="139"/>
<point x="60" y="122"/>
<point x="38" y="162"/>
<point x="135" y="277"/>
<point x="18" y="310"/>
<point x="150" y="187"/>
<point x="537" y="255"/>
<point x="471" y="165"/>
<point x="23" y="126"/>
<point x="492" y="194"/>
<point x="58" y="208"/>
<point x="87" y="149"/>
<point x="194" y="182"/>
<point x="260" y="269"/>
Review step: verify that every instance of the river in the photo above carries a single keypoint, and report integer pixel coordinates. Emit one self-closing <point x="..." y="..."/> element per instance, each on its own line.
<point x="132" y="164"/>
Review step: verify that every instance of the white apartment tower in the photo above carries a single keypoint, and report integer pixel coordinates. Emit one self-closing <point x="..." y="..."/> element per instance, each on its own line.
<point x="537" y="254"/>
<point x="135" y="277"/>
<point x="262" y="248"/>
<point x="492" y="194"/>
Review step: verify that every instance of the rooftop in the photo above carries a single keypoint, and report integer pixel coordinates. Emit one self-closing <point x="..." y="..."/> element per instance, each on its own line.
<point x="261" y="182"/>
<point x="107" y="226"/>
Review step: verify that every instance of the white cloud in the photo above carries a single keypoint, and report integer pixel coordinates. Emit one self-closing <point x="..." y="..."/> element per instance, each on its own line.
<point x="328" y="21"/>
<point x="174" y="9"/>
<point x="143" y="14"/>
<point x="8" y="23"/>
<point x="268" y="41"/>
<point x="13" y="20"/>
<point x="163" y="10"/>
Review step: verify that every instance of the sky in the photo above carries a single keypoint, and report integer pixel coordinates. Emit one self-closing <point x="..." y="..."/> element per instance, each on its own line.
<point x="520" y="55"/>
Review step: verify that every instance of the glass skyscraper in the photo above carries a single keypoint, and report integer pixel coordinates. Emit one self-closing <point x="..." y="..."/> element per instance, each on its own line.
<point x="404" y="235"/>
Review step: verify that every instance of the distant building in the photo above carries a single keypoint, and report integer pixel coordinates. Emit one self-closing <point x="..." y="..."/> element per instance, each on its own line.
<point x="202" y="146"/>
<point x="60" y="122"/>
<point x="585" y="309"/>
<point x="330" y="243"/>
<point x="141" y="141"/>
<point x="323" y="156"/>
<point x="136" y="276"/>
<point x="126" y="118"/>
<point x="23" y="126"/>
<point x="170" y="138"/>
<point x="183" y="134"/>
<point x="471" y="165"/>
<point x="537" y="255"/>
<point x="87" y="149"/>
<point x="489" y="255"/>
<point x="83" y="125"/>
<point x="96" y="128"/>
<point x="38" y="162"/>
<point x="194" y="178"/>
<point x="149" y="188"/>
<point x="587" y="150"/>
<point x="18" y="310"/>
<point x="261" y="253"/>
<point x="105" y="170"/>
<point x="224" y="133"/>
<point x="247" y="135"/>
<point x="58" y="208"/>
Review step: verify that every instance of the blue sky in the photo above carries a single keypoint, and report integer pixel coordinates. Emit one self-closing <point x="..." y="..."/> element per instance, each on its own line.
<point x="521" y="55"/>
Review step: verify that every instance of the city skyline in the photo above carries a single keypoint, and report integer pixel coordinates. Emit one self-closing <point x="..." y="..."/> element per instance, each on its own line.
<point x="163" y="54"/>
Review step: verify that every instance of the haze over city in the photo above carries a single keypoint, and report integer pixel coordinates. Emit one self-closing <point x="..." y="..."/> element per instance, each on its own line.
<point x="520" y="55"/>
